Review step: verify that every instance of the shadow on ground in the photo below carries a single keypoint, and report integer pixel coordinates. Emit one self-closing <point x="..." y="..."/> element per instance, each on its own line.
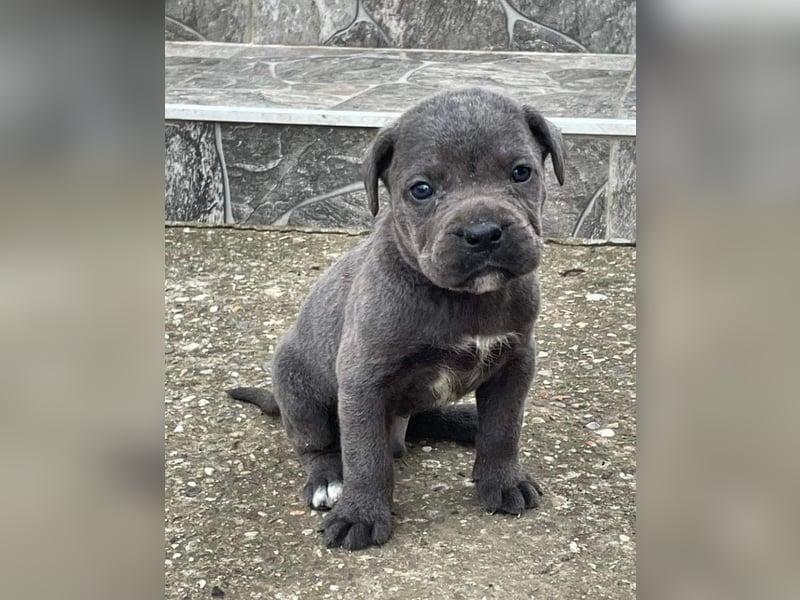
<point x="235" y="523"/>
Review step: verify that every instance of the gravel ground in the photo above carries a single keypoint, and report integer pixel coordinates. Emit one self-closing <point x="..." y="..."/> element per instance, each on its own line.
<point x="235" y="524"/>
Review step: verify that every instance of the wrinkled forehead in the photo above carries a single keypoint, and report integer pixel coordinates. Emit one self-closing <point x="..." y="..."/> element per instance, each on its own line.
<point x="463" y="137"/>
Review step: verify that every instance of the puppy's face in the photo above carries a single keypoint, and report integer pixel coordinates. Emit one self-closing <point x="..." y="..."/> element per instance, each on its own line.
<point x="465" y="173"/>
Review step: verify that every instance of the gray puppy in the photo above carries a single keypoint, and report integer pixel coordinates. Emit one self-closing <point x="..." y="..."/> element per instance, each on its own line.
<point x="439" y="301"/>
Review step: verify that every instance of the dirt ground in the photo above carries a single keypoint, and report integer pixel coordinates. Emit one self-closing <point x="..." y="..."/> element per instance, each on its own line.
<point x="235" y="523"/>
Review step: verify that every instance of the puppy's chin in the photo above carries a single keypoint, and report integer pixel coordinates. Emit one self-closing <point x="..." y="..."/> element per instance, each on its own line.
<point x="483" y="283"/>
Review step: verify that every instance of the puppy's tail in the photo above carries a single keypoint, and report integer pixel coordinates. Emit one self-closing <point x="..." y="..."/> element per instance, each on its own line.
<point x="262" y="398"/>
<point x="456" y="423"/>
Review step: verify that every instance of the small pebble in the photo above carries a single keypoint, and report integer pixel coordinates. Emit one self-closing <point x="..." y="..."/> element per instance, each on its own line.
<point x="214" y="308"/>
<point x="308" y="531"/>
<point x="593" y="425"/>
<point x="178" y="428"/>
<point x="427" y="449"/>
<point x="201" y="583"/>
<point x="250" y="534"/>
<point x="624" y="538"/>
<point x="191" y="347"/>
<point x="573" y="547"/>
<point x="431" y="464"/>
<point x="592" y="297"/>
<point x="537" y="420"/>
<point x="208" y="471"/>
<point x="606" y="433"/>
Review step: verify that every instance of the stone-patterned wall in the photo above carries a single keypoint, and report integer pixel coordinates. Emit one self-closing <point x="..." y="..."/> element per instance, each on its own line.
<point x="310" y="176"/>
<point x="194" y="187"/>
<point x="602" y="26"/>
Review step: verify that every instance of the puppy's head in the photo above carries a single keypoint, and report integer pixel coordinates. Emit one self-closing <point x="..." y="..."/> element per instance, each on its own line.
<point x="465" y="175"/>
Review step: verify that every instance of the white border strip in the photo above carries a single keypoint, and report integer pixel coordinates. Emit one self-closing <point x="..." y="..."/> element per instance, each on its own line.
<point x="610" y="58"/>
<point x="615" y="128"/>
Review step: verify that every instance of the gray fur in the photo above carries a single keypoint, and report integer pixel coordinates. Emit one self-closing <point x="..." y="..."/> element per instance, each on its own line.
<point x="422" y="312"/>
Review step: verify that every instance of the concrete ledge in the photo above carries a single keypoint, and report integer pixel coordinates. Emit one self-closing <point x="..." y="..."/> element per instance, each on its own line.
<point x="589" y="95"/>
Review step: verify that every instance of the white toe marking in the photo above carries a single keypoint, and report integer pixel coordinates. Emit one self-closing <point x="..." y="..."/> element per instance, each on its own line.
<point x="334" y="492"/>
<point x="326" y="497"/>
<point x="320" y="499"/>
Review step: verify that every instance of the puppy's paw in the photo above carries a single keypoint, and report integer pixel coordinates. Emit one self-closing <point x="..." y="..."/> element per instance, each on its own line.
<point x="507" y="490"/>
<point x="356" y="525"/>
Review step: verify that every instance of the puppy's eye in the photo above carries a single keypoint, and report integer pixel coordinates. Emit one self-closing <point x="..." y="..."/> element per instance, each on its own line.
<point x="421" y="191"/>
<point x="521" y="173"/>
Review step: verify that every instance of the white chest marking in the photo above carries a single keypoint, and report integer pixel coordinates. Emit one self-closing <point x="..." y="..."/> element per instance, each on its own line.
<point x="449" y="383"/>
<point x="486" y="344"/>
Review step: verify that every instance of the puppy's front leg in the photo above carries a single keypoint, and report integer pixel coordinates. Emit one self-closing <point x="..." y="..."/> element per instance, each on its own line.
<point x="501" y="483"/>
<point x="362" y="517"/>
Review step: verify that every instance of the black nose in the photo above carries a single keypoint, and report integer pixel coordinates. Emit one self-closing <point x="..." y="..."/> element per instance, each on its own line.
<point x="482" y="236"/>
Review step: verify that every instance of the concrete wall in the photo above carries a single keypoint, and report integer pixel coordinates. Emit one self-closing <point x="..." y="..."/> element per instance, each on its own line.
<point x="532" y="25"/>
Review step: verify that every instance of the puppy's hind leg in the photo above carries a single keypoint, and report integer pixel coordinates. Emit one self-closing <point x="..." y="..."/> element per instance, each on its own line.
<point x="308" y="413"/>
<point x="455" y="423"/>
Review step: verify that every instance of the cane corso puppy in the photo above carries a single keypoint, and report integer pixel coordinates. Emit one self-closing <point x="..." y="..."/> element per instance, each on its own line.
<point x="439" y="301"/>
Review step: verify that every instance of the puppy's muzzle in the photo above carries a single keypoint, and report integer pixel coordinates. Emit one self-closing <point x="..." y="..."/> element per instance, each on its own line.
<point x="479" y="249"/>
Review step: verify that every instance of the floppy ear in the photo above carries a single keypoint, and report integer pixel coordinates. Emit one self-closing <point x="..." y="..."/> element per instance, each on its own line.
<point x="376" y="162"/>
<point x="549" y="137"/>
